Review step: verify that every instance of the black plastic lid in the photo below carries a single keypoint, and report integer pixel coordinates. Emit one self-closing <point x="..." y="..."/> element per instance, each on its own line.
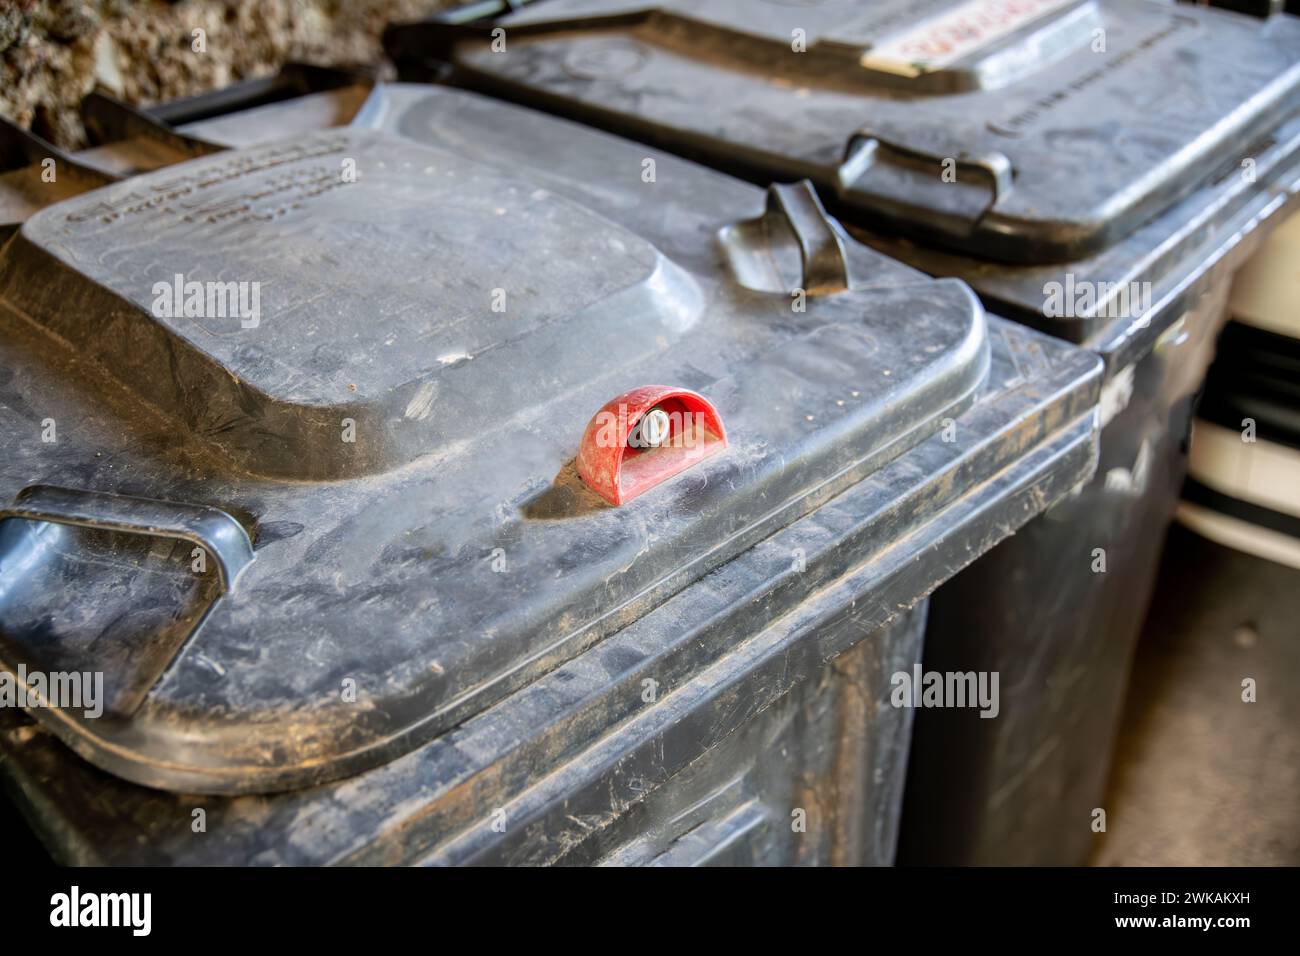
<point x="397" y="449"/>
<point x="1023" y="132"/>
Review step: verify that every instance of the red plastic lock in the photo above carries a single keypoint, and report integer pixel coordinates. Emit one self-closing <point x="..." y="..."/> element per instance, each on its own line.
<point x="646" y="436"/>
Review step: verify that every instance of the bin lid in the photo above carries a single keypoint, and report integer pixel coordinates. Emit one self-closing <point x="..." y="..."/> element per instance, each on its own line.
<point x="1019" y="130"/>
<point x="316" y="402"/>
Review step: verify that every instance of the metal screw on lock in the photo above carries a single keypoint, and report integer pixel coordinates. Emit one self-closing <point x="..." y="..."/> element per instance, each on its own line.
<point x="651" y="431"/>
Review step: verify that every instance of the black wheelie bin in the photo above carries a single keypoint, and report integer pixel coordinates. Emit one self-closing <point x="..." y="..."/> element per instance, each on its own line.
<point x="536" y="498"/>
<point x="1094" y="169"/>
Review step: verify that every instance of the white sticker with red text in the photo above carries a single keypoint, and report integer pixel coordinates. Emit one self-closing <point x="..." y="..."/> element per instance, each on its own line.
<point x="942" y="40"/>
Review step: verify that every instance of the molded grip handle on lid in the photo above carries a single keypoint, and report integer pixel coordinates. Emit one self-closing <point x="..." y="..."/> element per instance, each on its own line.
<point x="617" y="470"/>
<point x="217" y="532"/>
<point x="864" y="148"/>
<point x="825" y="266"/>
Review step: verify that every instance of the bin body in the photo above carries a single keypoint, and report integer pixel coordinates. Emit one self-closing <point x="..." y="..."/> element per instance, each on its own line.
<point x="814" y="778"/>
<point x="1081" y="626"/>
<point x="1071" y="591"/>
<point x="973" y="163"/>
<point x="729" y="705"/>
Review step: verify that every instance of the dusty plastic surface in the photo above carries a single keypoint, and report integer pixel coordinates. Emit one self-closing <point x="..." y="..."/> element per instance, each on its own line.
<point x="126" y="141"/>
<point x="1177" y="229"/>
<point x="250" y="420"/>
<point x="738" y="734"/>
<point x="850" y="97"/>
<point x="651" y="796"/>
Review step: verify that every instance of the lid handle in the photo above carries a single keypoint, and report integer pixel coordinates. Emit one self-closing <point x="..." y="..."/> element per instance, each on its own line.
<point x="864" y="152"/>
<point x="825" y="265"/>
<point x="213" y="530"/>
<point x="793" y="246"/>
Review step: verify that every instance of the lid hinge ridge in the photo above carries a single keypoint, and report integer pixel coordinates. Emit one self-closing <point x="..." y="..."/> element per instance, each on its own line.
<point x="21" y="147"/>
<point x="295" y="79"/>
<point x="109" y="120"/>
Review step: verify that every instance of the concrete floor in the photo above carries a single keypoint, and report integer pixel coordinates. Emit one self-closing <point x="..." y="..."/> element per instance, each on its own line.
<point x="1201" y="777"/>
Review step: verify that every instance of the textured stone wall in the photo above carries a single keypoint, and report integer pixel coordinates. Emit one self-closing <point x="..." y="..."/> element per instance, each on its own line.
<point x="53" y="52"/>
